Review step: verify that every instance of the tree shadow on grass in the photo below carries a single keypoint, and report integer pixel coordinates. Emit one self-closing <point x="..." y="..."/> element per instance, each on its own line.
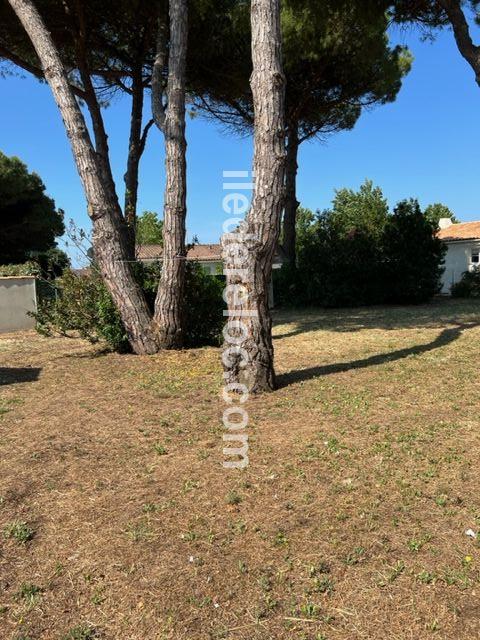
<point x="435" y="314"/>
<point x="14" y="375"/>
<point x="99" y="352"/>
<point x="447" y="336"/>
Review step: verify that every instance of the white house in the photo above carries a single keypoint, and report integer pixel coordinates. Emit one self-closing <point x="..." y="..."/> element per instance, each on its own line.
<point x="463" y="250"/>
<point x="208" y="256"/>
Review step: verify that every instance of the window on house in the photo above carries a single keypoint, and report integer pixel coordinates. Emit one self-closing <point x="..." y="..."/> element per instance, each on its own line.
<point x="475" y="256"/>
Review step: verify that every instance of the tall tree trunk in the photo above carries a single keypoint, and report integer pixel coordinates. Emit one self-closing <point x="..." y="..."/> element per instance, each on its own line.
<point x="136" y="147"/>
<point x="169" y="301"/>
<point x="249" y="252"/>
<point x="291" y="202"/>
<point x="103" y="208"/>
<point x="133" y="160"/>
<point x="461" y="30"/>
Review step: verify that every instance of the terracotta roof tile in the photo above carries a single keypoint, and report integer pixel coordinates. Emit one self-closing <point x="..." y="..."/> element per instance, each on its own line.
<point x="462" y="231"/>
<point x="149" y="251"/>
<point x="204" y="252"/>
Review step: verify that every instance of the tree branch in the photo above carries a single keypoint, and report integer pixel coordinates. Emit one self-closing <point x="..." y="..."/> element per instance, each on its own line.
<point x="158" y="81"/>
<point x="33" y="69"/>
<point x="143" y="139"/>
<point x="461" y="31"/>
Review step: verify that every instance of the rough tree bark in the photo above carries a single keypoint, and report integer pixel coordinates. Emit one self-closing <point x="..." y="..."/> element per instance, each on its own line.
<point x="249" y="252"/>
<point x="171" y="121"/>
<point x="291" y="202"/>
<point x="461" y="30"/>
<point x="136" y="147"/>
<point x="103" y="207"/>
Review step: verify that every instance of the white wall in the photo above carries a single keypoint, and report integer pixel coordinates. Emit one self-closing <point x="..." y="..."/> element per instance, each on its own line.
<point x="212" y="268"/>
<point x="457" y="261"/>
<point x="17" y="297"/>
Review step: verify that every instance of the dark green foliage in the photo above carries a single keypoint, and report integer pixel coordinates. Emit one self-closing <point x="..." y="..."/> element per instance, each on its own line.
<point x="469" y="285"/>
<point x="337" y="60"/>
<point x="334" y="269"/>
<point x="359" y="254"/>
<point x="84" y="307"/>
<point x="365" y="210"/>
<point x="47" y="265"/>
<point x="413" y="256"/>
<point x="203" y="307"/>
<point x="426" y="12"/>
<point x="203" y="301"/>
<point x="29" y="268"/>
<point x="429" y="13"/>
<point x="435" y="212"/>
<point x="29" y="221"/>
<point x="52" y="263"/>
<point x="149" y="229"/>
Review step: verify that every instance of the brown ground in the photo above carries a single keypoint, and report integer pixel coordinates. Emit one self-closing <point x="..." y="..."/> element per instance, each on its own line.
<point x="349" y="522"/>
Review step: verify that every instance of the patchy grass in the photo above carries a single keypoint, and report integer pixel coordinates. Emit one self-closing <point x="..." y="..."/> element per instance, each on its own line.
<point x="18" y="531"/>
<point x="81" y="632"/>
<point x="29" y="593"/>
<point x="349" y="522"/>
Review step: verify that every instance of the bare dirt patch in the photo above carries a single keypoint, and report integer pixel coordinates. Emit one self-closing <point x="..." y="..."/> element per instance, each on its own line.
<point x="118" y="521"/>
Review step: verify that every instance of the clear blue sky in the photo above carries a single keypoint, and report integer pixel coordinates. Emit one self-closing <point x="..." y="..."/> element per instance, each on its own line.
<point x="425" y="145"/>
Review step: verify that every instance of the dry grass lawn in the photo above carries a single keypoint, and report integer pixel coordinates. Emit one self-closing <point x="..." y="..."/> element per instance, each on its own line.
<point x="117" y="520"/>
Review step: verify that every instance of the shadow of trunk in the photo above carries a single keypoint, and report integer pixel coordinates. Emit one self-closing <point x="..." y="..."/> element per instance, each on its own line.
<point x="446" y="337"/>
<point x="14" y="375"/>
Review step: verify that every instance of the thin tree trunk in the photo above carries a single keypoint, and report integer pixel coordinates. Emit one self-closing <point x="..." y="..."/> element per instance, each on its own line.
<point x="169" y="300"/>
<point x="103" y="208"/>
<point x="133" y="160"/>
<point x="461" y="30"/>
<point x="249" y="257"/>
<point x="136" y="146"/>
<point x="291" y="202"/>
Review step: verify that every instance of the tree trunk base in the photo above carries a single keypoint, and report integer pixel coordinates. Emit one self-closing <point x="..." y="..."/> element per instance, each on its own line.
<point x="169" y="341"/>
<point x="265" y="382"/>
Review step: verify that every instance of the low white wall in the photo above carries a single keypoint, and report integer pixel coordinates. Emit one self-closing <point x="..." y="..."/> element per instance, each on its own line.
<point x="17" y="297"/>
<point x="457" y="261"/>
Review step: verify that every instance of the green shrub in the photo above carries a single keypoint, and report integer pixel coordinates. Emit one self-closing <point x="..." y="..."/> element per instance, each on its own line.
<point x="47" y="264"/>
<point x="83" y="307"/>
<point x="25" y="269"/>
<point x="203" y="307"/>
<point x="202" y="297"/>
<point x="468" y="286"/>
<point x="349" y="257"/>
<point x="413" y="256"/>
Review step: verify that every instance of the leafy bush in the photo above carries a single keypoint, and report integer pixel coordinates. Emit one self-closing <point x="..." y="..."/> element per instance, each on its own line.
<point x="333" y="270"/>
<point x="203" y="307"/>
<point x="23" y="269"/>
<point x="52" y="263"/>
<point x="413" y="256"/>
<point x="202" y="297"/>
<point x="48" y="265"/>
<point x="83" y="306"/>
<point x="359" y="254"/>
<point x="468" y="286"/>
